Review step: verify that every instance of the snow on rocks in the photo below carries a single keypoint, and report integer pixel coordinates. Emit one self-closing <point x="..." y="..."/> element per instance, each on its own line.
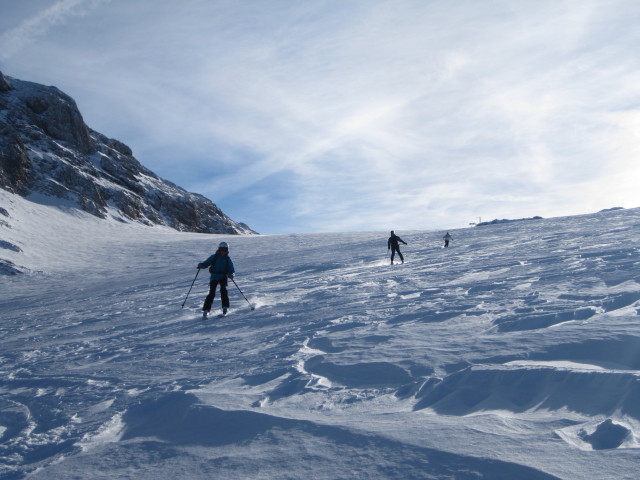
<point x="49" y="153"/>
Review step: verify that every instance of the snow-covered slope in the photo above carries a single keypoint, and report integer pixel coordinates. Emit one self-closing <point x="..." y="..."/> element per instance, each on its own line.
<point x="514" y="354"/>
<point x="49" y="154"/>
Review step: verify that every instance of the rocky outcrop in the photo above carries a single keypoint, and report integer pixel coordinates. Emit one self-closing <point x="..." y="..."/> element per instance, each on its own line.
<point x="46" y="148"/>
<point x="505" y="220"/>
<point x="14" y="162"/>
<point x="4" y="85"/>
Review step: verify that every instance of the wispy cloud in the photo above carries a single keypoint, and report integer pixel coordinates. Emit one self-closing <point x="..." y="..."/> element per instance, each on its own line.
<point x="353" y="115"/>
<point x="31" y="29"/>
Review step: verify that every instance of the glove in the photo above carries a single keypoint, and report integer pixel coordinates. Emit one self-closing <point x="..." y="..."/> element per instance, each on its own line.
<point x="231" y="275"/>
<point x="201" y="266"/>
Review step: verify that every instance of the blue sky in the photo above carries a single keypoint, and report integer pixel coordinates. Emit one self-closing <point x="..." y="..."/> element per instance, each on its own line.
<point x="338" y="115"/>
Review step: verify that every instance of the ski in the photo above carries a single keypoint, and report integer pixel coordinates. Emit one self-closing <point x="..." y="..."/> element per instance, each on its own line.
<point x="209" y="315"/>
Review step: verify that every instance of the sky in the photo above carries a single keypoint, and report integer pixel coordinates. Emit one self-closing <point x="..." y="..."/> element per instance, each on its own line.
<point x="355" y="115"/>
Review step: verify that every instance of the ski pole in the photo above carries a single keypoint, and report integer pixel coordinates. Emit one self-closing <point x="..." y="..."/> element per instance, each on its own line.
<point x="194" y="281"/>
<point x="250" y="305"/>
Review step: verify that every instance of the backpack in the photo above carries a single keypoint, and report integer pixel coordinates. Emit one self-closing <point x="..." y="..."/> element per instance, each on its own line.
<point x="213" y="262"/>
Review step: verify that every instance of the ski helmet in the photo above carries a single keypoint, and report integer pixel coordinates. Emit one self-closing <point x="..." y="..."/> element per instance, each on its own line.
<point x="223" y="245"/>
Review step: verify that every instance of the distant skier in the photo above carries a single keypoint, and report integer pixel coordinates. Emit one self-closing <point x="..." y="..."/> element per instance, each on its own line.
<point x="393" y="244"/>
<point x="447" y="239"/>
<point x="220" y="267"/>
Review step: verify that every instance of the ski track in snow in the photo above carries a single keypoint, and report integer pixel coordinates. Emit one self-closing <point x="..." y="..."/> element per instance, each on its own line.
<point x="515" y="353"/>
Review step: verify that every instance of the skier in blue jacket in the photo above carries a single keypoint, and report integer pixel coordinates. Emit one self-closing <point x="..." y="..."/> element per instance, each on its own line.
<point x="221" y="268"/>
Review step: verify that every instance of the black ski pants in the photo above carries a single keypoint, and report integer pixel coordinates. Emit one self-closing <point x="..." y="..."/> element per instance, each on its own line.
<point x="224" y="295"/>
<point x="394" y="249"/>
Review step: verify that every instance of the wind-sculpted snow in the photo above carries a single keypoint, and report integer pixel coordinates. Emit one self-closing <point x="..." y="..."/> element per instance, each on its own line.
<point x="526" y="388"/>
<point x="168" y="430"/>
<point x="513" y="354"/>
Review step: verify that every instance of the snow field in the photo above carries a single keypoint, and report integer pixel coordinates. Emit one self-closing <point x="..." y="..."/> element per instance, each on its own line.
<point x="513" y="354"/>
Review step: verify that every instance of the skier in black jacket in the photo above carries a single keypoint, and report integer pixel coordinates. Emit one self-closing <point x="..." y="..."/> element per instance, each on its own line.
<point x="394" y="246"/>
<point x="447" y="239"/>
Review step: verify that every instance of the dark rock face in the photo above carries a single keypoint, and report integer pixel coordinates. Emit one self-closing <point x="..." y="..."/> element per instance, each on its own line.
<point x="58" y="117"/>
<point x="46" y="148"/>
<point x="4" y="85"/>
<point x="14" y="162"/>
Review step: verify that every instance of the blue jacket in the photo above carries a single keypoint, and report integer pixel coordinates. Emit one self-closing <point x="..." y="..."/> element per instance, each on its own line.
<point x="221" y="266"/>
